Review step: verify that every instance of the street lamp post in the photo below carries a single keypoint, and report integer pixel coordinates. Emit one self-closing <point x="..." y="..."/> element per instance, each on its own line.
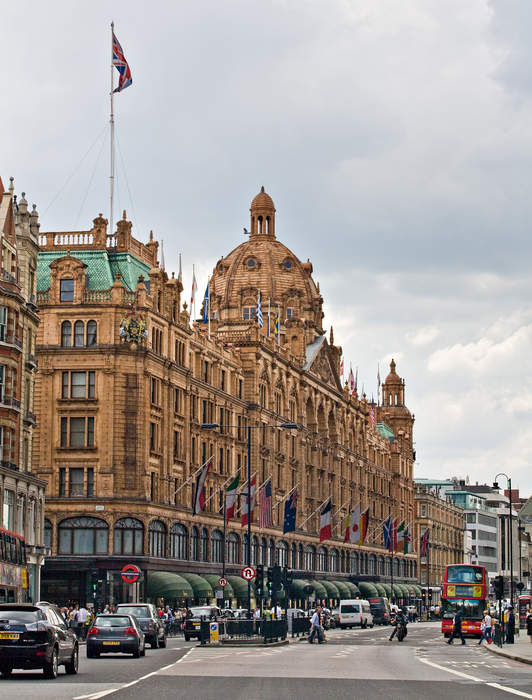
<point x="510" y="520"/>
<point x="213" y="426"/>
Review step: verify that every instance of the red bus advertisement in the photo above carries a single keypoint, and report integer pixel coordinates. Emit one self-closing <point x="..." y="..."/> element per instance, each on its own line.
<point x="13" y="571"/>
<point x="464" y="586"/>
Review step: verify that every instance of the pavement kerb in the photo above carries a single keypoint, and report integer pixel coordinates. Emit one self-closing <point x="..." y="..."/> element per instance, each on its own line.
<point x="495" y="650"/>
<point x="248" y="645"/>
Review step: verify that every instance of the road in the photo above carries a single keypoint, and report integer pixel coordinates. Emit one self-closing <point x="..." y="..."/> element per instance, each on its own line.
<point x="354" y="664"/>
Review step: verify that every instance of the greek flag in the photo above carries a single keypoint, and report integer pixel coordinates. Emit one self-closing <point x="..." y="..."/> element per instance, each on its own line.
<point x="259" y="312"/>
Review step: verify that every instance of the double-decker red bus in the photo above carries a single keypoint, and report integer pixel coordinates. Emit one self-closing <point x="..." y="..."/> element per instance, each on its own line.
<point x="13" y="569"/>
<point x="464" y="586"/>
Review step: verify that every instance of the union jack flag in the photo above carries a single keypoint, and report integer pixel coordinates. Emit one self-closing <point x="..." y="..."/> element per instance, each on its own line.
<point x="121" y="65"/>
<point x="265" y="505"/>
<point x="424" y="543"/>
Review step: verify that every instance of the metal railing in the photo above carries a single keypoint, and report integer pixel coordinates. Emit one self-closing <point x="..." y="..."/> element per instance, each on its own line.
<point x="258" y="631"/>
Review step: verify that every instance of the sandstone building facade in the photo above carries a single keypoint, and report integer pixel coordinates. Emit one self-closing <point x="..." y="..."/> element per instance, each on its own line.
<point x="120" y="423"/>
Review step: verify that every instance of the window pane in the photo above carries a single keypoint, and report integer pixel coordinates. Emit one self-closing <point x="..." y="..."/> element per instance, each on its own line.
<point x="90" y="482"/>
<point x="67" y="290"/>
<point x="101" y="541"/>
<point x="78" y="390"/>
<point x="79" y="334"/>
<point x="64" y="432"/>
<point x="66" y="334"/>
<point x="64" y="389"/>
<point x="3" y="323"/>
<point x="83" y="541"/>
<point x="128" y="542"/>
<point x="76" y="482"/>
<point x="92" y="385"/>
<point x="65" y="541"/>
<point x="77" y="432"/>
<point x="90" y="432"/>
<point x="91" y="333"/>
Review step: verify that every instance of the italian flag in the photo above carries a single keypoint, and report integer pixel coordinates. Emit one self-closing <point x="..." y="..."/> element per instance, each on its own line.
<point x="231" y="498"/>
<point x="399" y="542"/>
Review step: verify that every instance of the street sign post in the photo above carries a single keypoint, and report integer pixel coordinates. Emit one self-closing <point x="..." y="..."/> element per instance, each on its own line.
<point x="248" y="573"/>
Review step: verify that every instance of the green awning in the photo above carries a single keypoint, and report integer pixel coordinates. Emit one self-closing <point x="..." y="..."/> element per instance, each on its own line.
<point x="319" y="589"/>
<point x="213" y="580"/>
<point x="201" y="587"/>
<point x="240" y="587"/>
<point x="387" y="588"/>
<point x="332" y="590"/>
<point x="353" y="589"/>
<point x="297" y="588"/>
<point x="380" y="589"/>
<point x="367" y="589"/>
<point x="418" y="590"/>
<point x="168" y="585"/>
<point x="344" y="589"/>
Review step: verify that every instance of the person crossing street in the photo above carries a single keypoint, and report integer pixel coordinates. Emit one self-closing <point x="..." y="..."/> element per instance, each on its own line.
<point x="485" y="627"/>
<point x="457" y="627"/>
<point x="315" y="625"/>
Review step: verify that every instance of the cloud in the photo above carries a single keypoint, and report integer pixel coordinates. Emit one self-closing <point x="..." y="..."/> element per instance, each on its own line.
<point x="423" y="336"/>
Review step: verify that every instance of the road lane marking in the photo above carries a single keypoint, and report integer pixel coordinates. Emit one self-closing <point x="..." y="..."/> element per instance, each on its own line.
<point x="504" y="688"/>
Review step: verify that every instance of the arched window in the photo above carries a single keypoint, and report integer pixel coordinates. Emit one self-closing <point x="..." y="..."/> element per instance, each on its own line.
<point x="178" y="541"/>
<point x="381" y="566"/>
<point x="322" y="559"/>
<point x="333" y="560"/>
<point x="388" y="567"/>
<point x="157" y="539"/>
<point x="271" y="553"/>
<point x="204" y="545"/>
<point x="300" y="558"/>
<point x="395" y="566"/>
<point x="47" y="533"/>
<point x="353" y="563"/>
<point x="79" y="334"/>
<point x="310" y="557"/>
<point x="194" y="544"/>
<point x="372" y="564"/>
<point x="83" y="536"/>
<point x="404" y="570"/>
<point x="91" y="333"/>
<point x="263" y="551"/>
<point x="414" y="569"/>
<point x="216" y="546"/>
<point x="233" y="542"/>
<point x="254" y="549"/>
<point x="128" y="536"/>
<point x="282" y="553"/>
<point x="66" y="334"/>
<point x="293" y="557"/>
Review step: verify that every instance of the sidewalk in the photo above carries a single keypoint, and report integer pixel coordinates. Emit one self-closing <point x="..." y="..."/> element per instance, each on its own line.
<point x="521" y="650"/>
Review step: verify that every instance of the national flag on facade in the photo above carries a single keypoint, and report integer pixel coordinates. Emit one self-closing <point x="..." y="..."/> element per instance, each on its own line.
<point x="206" y="302"/>
<point x="265" y="505"/>
<point x="194" y="290"/>
<point x="347" y="527"/>
<point x="399" y="539"/>
<point x="364" y="524"/>
<point x="248" y="508"/>
<point x="326" y="522"/>
<point x="276" y="325"/>
<point x="394" y="536"/>
<point x="354" y="525"/>
<point x="290" y="512"/>
<point x="121" y="65"/>
<point x="356" y="380"/>
<point x="260" y="318"/>
<point x="372" y="414"/>
<point x="387" y="527"/>
<point x="408" y="542"/>
<point x="231" y="497"/>
<point x="351" y="380"/>
<point x="424" y="543"/>
<point x="342" y="367"/>
<point x="199" y="492"/>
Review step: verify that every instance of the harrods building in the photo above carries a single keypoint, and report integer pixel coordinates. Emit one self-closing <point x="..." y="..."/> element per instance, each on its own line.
<point x="120" y="423"/>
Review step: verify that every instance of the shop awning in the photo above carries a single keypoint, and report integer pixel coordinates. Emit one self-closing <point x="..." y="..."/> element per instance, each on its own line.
<point x="353" y="589"/>
<point x="345" y="591"/>
<point x="213" y="580"/>
<point x="297" y="588"/>
<point x="240" y="587"/>
<point x="380" y="589"/>
<point x="387" y="588"/>
<point x="319" y="589"/>
<point x="201" y="587"/>
<point x="367" y="589"/>
<point x="332" y="590"/>
<point x="168" y="585"/>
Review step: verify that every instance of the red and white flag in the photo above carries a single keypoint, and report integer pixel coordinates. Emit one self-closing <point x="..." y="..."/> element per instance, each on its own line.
<point x="194" y="290"/>
<point x="231" y="497"/>
<point x="199" y="491"/>
<point x="351" y="380"/>
<point x="354" y="522"/>
<point x="249" y="507"/>
<point x="326" y="522"/>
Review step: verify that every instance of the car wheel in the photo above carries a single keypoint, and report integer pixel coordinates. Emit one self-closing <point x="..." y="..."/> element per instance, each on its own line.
<point x="136" y="653"/>
<point x="6" y="671"/>
<point x="187" y="638"/>
<point x="50" y="668"/>
<point x="162" y="642"/>
<point x="71" y="667"/>
<point x="372" y="626"/>
<point x="143" y="651"/>
<point x="155" y="642"/>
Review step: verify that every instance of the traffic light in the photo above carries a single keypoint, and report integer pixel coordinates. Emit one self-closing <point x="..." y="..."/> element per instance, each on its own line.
<point x="498" y="586"/>
<point x="269" y="580"/>
<point x="288" y="577"/>
<point x="100" y="589"/>
<point x="277" y="578"/>
<point x="259" y="580"/>
<point x="423" y="593"/>
<point x="94" y="582"/>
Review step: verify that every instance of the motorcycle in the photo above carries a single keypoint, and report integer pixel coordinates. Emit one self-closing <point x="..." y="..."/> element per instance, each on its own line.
<point x="401" y="631"/>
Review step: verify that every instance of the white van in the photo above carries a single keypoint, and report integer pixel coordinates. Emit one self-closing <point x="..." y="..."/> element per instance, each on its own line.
<point x="355" y="612"/>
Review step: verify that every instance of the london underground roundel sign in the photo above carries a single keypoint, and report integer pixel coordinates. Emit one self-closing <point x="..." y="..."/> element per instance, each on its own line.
<point x="130" y="573"/>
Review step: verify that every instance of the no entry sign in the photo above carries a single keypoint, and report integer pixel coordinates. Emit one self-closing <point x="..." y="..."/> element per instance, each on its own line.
<point x="248" y="573"/>
<point x="130" y="573"/>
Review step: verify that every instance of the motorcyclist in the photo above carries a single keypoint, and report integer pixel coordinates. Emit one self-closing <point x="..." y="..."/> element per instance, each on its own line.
<point x="400" y="619"/>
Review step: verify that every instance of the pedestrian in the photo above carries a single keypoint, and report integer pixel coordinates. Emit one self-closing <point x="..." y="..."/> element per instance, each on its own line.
<point x="315" y="626"/>
<point x="485" y="627"/>
<point x="457" y="627"/>
<point x="529" y="624"/>
<point x="276" y="612"/>
<point x="106" y="610"/>
<point x="256" y="614"/>
<point x="510" y="626"/>
<point x="82" y="616"/>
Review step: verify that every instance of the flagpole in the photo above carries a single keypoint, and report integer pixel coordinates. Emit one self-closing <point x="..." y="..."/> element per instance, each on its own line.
<point x="218" y="489"/>
<point x="190" y="478"/>
<point x="285" y="496"/>
<point x="112" y="144"/>
<point x="223" y="554"/>
<point x="209" y="307"/>
<point x="315" y="511"/>
<point x="269" y="312"/>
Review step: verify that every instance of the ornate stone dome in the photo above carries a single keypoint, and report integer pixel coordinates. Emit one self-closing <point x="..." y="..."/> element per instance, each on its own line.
<point x="262" y="263"/>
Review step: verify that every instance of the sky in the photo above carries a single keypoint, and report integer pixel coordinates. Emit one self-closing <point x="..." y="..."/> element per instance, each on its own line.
<point x="394" y="137"/>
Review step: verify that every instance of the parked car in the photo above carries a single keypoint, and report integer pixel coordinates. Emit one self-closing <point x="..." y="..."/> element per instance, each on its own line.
<point x="192" y="627"/>
<point x="115" y="634"/>
<point x="355" y="612"/>
<point x="34" y="636"/>
<point x="380" y="609"/>
<point x="149" y="621"/>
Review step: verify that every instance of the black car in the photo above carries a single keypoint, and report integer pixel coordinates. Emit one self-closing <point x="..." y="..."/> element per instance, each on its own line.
<point x="35" y="636"/>
<point x="192" y="626"/>
<point x="115" y="634"/>
<point x="149" y="621"/>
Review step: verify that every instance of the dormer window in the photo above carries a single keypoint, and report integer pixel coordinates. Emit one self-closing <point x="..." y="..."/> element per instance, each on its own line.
<point x="251" y="263"/>
<point x="250" y="313"/>
<point x="287" y="264"/>
<point x="66" y="290"/>
<point x="290" y="312"/>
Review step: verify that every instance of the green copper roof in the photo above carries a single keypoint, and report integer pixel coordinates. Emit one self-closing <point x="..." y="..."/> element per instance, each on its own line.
<point x="102" y="267"/>
<point x="385" y="431"/>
